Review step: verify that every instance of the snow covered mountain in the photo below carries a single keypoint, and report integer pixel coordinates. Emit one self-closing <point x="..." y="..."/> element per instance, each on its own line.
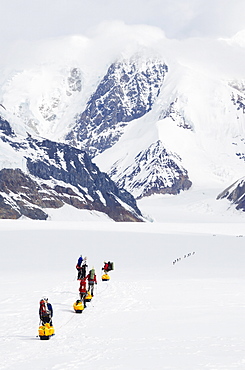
<point x="158" y="116"/>
<point x="235" y="194"/>
<point x="154" y="171"/>
<point x="43" y="174"/>
<point x="127" y="92"/>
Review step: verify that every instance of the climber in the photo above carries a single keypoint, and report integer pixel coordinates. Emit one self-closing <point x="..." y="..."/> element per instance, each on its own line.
<point x="105" y="267"/>
<point x="82" y="272"/>
<point x="83" y="291"/>
<point x="91" y="281"/>
<point x="81" y="267"/>
<point x="45" y="311"/>
<point x="108" y="266"/>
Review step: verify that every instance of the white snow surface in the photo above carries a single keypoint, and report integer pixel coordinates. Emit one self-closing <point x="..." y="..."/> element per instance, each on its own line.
<point x="152" y="314"/>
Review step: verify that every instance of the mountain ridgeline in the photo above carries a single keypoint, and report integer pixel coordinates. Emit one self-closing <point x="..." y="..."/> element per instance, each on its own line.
<point x="139" y="129"/>
<point x="127" y="92"/>
<point x="55" y="174"/>
<point x="235" y="193"/>
<point x="154" y="171"/>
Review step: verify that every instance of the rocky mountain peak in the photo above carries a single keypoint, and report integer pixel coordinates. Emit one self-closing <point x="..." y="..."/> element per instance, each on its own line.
<point x="154" y="171"/>
<point x="127" y="92"/>
<point x="235" y="193"/>
<point x="55" y="174"/>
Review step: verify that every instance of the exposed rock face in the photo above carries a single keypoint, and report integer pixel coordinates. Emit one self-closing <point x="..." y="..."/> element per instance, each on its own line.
<point x="127" y="92"/>
<point x="20" y="195"/>
<point x="73" y="166"/>
<point x="238" y="101"/>
<point x="74" y="81"/>
<point x="175" y="114"/>
<point x="235" y="194"/>
<point x="5" y="127"/>
<point x="59" y="174"/>
<point x="154" y="171"/>
<point x="50" y="107"/>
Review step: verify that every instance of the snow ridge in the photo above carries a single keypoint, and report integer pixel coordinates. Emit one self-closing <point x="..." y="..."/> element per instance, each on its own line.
<point x="52" y="174"/>
<point x="127" y="92"/>
<point x="235" y="194"/>
<point x="154" y="170"/>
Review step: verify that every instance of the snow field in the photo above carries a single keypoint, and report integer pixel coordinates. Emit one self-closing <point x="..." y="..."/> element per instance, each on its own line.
<point x="152" y="314"/>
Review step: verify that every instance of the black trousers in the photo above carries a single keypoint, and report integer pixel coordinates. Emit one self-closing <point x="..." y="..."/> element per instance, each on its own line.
<point x="81" y="273"/>
<point x="46" y="319"/>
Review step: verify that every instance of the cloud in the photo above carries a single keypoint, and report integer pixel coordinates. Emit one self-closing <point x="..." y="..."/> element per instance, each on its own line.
<point x="220" y="18"/>
<point x="39" y="19"/>
<point x="106" y="42"/>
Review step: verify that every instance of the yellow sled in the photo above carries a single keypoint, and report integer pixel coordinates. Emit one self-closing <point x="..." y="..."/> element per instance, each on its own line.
<point x="88" y="297"/>
<point x="105" y="277"/>
<point x="45" y="331"/>
<point x="78" y="306"/>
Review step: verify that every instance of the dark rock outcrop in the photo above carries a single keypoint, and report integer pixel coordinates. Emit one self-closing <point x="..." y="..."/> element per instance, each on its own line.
<point x="153" y="171"/>
<point x="173" y="112"/>
<point x="127" y="92"/>
<point x="235" y="194"/>
<point x="5" y="127"/>
<point x="74" y="167"/>
<point x="59" y="174"/>
<point x="22" y="196"/>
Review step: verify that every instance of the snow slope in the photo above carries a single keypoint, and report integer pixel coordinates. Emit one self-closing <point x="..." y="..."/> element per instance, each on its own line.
<point x="153" y="314"/>
<point x="197" y="117"/>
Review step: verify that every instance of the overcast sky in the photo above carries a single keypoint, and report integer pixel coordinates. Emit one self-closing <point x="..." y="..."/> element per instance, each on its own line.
<point x="38" y="19"/>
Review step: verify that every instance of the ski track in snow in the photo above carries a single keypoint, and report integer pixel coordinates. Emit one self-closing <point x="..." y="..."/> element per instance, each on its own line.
<point x="150" y="315"/>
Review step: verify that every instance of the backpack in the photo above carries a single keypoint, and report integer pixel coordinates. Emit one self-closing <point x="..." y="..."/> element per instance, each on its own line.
<point x="110" y="266"/>
<point x="91" y="274"/>
<point x="44" y="311"/>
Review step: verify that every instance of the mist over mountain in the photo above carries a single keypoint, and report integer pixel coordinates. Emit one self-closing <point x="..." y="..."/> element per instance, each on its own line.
<point x="157" y="115"/>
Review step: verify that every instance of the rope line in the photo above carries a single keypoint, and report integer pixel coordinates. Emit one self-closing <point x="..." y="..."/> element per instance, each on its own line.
<point x="66" y="322"/>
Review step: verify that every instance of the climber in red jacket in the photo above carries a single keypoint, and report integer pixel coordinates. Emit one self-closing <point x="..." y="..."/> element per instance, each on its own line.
<point x="105" y="267"/>
<point x="83" y="291"/>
